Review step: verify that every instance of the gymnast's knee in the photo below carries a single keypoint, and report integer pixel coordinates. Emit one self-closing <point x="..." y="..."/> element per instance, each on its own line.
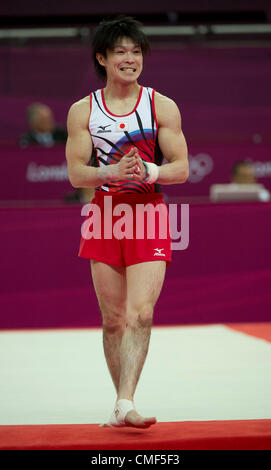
<point x="140" y="316"/>
<point x="113" y="320"/>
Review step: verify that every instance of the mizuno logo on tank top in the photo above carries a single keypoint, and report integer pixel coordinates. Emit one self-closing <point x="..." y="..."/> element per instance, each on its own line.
<point x="113" y="136"/>
<point x="104" y="129"/>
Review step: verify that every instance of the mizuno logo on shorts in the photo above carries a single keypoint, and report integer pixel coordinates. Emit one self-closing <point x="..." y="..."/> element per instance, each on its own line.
<point x="158" y="252"/>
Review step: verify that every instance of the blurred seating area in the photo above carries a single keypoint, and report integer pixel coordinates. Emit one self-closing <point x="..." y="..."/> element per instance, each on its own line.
<point x="222" y="91"/>
<point x="214" y="60"/>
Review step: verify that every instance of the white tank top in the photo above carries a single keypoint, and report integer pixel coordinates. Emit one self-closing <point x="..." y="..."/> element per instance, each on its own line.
<point x="114" y="135"/>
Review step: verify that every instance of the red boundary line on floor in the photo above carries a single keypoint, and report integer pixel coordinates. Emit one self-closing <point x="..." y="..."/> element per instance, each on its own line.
<point x="188" y="435"/>
<point x="258" y="330"/>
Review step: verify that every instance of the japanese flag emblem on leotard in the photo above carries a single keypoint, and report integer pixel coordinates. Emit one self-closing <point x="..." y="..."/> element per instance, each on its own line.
<point x="122" y="126"/>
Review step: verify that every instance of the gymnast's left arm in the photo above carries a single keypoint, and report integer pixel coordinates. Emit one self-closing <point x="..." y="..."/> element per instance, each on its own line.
<point x="171" y="141"/>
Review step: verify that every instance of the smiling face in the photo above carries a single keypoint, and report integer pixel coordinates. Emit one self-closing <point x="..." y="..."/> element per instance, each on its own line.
<point x="124" y="62"/>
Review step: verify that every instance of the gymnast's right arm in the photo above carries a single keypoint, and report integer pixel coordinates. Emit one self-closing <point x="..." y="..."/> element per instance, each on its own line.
<point x="79" y="149"/>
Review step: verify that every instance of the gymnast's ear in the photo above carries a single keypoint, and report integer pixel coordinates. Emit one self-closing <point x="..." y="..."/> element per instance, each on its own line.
<point x="101" y="59"/>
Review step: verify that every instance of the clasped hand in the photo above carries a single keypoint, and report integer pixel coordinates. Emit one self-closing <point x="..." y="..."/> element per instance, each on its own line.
<point x="130" y="167"/>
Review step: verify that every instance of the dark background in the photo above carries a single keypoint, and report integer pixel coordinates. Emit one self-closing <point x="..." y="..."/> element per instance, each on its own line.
<point x="221" y="83"/>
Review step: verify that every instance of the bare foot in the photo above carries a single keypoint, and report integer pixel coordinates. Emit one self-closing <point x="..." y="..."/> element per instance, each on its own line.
<point x="134" y="420"/>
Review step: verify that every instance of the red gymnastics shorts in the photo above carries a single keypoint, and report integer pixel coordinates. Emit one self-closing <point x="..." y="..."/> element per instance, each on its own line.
<point x="125" y="229"/>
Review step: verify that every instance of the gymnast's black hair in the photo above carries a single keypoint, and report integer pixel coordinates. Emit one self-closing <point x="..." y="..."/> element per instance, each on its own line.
<point x="112" y="29"/>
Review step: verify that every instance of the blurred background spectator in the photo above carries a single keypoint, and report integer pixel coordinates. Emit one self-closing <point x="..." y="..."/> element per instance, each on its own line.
<point x="42" y="127"/>
<point x="243" y="173"/>
<point x="243" y="186"/>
